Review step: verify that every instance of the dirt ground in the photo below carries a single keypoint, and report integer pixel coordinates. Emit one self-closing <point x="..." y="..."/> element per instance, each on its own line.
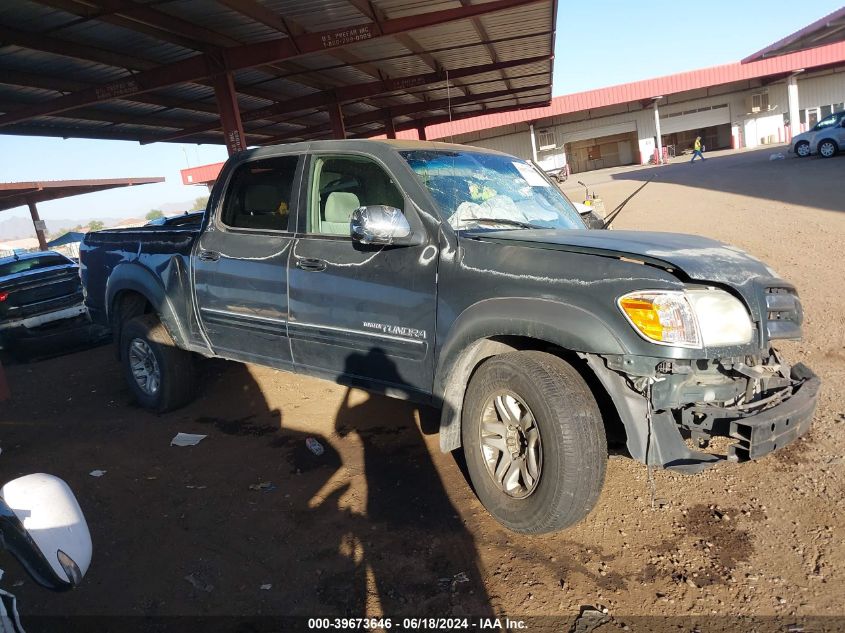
<point x="383" y="522"/>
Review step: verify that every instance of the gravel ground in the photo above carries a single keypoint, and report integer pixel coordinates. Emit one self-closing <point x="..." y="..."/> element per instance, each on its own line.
<point x="383" y="522"/>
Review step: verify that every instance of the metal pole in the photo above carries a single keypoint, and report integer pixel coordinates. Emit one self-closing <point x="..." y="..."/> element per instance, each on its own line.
<point x="533" y="142"/>
<point x="389" y="130"/>
<point x="336" y="120"/>
<point x="421" y="132"/>
<point x="40" y="228"/>
<point x="657" y="132"/>
<point x="792" y="101"/>
<point x="230" y="113"/>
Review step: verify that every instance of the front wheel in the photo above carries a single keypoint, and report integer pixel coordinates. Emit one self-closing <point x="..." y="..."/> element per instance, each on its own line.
<point x="159" y="374"/>
<point x="802" y="149"/>
<point x="827" y="149"/>
<point x="534" y="442"/>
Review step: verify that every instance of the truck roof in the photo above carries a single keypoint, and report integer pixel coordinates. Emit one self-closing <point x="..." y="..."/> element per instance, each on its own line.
<point x="367" y="145"/>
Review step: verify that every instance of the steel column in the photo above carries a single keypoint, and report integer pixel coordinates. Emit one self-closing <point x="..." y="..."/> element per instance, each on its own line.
<point x="421" y="133"/>
<point x="657" y="132"/>
<point x="336" y="120"/>
<point x="230" y="113"/>
<point x="793" y="103"/>
<point x="36" y="222"/>
<point x="389" y="130"/>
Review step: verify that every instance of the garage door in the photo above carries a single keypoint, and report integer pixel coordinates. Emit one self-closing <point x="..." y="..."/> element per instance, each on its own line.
<point x="598" y="132"/>
<point x="679" y="122"/>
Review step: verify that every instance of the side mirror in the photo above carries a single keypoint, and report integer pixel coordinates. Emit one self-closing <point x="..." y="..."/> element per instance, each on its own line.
<point x="42" y="525"/>
<point x="378" y="224"/>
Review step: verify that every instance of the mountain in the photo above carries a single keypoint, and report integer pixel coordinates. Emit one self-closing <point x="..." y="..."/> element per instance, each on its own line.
<point x="14" y="228"/>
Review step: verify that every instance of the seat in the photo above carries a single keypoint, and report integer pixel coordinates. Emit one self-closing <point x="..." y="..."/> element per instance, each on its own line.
<point x="339" y="208"/>
<point x="262" y="208"/>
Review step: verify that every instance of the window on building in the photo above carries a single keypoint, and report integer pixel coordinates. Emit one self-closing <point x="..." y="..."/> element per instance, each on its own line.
<point x="546" y="139"/>
<point x="827" y="110"/>
<point x="838" y="107"/>
<point x="760" y="102"/>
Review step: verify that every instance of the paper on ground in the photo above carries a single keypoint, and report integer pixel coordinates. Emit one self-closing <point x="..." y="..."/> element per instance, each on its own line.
<point x="187" y="439"/>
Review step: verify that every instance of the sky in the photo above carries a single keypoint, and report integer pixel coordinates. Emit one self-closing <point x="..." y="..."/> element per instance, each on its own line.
<point x="598" y="43"/>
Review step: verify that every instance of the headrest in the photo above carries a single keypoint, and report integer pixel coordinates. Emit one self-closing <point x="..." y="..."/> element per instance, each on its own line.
<point x="340" y="205"/>
<point x="262" y="199"/>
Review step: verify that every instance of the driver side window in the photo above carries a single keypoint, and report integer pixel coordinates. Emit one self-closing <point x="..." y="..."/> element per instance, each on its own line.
<point x="341" y="184"/>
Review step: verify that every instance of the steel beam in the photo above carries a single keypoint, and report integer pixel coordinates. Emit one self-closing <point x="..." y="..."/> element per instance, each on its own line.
<point x="389" y="130"/>
<point x="230" y="114"/>
<point x="351" y="93"/>
<point x="440" y="104"/>
<point x="39" y="232"/>
<point x="256" y="54"/>
<point x="336" y="120"/>
<point x="377" y="116"/>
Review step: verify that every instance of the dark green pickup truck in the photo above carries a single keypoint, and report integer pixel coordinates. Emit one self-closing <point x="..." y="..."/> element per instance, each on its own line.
<point x="463" y="278"/>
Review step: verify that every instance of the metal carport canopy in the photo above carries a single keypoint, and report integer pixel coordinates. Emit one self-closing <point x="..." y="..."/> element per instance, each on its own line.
<point x="827" y="30"/>
<point x="19" y="194"/>
<point x="252" y="72"/>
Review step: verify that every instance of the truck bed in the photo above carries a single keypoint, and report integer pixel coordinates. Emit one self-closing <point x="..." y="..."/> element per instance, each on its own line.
<point x="160" y="253"/>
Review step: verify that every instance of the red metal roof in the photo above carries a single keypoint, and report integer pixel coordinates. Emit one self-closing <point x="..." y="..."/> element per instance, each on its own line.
<point x="827" y="30"/>
<point x="647" y="89"/>
<point x="201" y="175"/>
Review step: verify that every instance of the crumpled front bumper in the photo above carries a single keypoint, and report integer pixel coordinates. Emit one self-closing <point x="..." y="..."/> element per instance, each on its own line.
<point x="771" y="429"/>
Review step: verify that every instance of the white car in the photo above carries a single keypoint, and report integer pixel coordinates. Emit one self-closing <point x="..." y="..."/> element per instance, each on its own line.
<point x="826" y="138"/>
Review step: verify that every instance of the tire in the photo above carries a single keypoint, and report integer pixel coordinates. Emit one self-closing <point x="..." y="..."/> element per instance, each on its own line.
<point x="570" y="454"/>
<point x="802" y="149"/>
<point x="144" y="340"/>
<point x="827" y="148"/>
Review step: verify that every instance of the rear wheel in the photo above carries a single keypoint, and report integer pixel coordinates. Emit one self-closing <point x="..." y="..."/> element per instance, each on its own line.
<point x="827" y="148"/>
<point x="802" y="149"/>
<point x="159" y="374"/>
<point x="534" y="442"/>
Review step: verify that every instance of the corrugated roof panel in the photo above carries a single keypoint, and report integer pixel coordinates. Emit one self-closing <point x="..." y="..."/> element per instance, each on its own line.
<point x="402" y="8"/>
<point x="318" y="15"/>
<point x="111" y="37"/>
<point x="218" y="18"/>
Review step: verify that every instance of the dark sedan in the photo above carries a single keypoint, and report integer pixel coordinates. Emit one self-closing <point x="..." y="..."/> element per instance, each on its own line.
<point x="37" y="291"/>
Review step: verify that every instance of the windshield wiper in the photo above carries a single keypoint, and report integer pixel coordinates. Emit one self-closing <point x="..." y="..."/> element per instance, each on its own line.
<point x="505" y="221"/>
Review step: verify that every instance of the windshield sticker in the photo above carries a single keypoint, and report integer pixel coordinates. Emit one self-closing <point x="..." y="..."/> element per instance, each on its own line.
<point x="530" y="175"/>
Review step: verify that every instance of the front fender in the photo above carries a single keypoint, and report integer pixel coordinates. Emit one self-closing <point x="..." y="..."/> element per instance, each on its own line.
<point x="567" y="326"/>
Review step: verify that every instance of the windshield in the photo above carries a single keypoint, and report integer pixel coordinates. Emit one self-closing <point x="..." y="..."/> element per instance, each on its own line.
<point x="474" y="189"/>
<point x="31" y="263"/>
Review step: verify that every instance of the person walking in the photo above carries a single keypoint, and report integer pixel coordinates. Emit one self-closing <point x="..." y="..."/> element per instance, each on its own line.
<point x="696" y="149"/>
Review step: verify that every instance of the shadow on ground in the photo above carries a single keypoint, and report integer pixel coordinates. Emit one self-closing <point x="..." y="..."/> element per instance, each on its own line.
<point x="364" y="528"/>
<point x="753" y="174"/>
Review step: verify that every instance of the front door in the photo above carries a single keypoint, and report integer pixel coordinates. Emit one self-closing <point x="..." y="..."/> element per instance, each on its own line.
<point x="360" y="314"/>
<point x="240" y="262"/>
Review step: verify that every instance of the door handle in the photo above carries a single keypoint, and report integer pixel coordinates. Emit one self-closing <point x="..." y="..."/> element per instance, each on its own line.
<point x="209" y="256"/>
<point x="311" y="264"/>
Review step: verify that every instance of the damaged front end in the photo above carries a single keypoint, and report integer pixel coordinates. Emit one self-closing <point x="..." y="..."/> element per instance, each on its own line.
<point x="673" y="409"/>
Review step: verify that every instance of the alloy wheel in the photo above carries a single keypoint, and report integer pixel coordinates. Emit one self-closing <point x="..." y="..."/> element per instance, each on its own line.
<point x="511" y="444"/>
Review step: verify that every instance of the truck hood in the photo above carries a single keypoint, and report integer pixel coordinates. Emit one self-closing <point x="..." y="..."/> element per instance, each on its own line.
<point x="699" y="258"/>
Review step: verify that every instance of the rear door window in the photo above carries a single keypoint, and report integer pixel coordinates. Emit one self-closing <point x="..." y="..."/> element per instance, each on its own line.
<point x="32" y="263"/>
<point x="261" y="195"/>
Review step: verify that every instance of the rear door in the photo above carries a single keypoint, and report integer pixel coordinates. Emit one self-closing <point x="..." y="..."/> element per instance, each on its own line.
<point x="360" y="314"/>
<point x="240" y="262"/>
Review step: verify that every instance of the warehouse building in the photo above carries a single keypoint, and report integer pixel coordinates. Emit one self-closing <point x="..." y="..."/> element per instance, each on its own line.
<point x="741" y="105"/>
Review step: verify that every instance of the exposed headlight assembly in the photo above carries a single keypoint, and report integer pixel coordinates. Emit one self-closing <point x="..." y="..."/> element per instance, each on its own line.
<point x="692" y="318"/>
